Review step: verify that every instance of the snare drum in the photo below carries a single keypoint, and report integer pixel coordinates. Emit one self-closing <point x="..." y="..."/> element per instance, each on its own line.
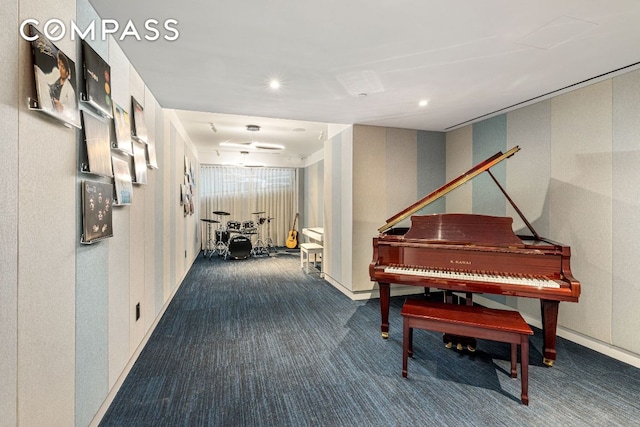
<point x="239" y="247"/>
<point x="233" y="226"/>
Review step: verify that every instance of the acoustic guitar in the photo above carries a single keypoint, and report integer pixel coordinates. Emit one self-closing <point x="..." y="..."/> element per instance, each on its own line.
<point x="292" y="239"/>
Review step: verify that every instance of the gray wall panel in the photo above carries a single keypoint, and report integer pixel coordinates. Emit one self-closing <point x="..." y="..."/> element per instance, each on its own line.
<point x="431" y="166"/>
<point x="489" y="137"/>
<point x="626" y="205"/>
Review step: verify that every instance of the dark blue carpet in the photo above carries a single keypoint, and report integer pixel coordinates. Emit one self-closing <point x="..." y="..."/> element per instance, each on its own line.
<point x="260" y="343"/>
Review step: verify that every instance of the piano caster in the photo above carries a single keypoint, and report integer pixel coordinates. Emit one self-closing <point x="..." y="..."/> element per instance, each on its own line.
<point x="385" y="335"/>
<point x="547" y="362"/>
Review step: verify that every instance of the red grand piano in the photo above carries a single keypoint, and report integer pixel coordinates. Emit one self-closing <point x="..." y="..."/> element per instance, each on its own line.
<point x="474" y="254"/>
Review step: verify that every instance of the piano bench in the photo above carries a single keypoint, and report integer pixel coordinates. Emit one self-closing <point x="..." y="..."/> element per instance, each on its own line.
<point x="307" y="249"/>
<point x="472" y="321"/>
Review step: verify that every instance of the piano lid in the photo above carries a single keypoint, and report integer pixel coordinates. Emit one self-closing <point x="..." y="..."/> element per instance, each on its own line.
<point x="451" y="185"/>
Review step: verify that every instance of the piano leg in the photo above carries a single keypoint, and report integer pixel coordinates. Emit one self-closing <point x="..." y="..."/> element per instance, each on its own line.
<point x="549" y="311"/>
<point x="384" y="308"/>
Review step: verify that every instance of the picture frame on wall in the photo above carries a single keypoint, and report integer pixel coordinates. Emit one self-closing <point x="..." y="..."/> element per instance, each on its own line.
<point x="123" y="182"/>
<point x="97" y="81"/>
<point x="97" y="218"/>
<point x="122" y="124"/>
<point x="97" y="138"/>
<point x="138" y="125"/>
<point x="55" y="80"/>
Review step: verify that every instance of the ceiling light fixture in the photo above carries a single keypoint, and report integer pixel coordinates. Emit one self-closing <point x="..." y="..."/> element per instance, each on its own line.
<point x="274" y="84"/>
<point x="267" y="146"/>
<point x="253" y="128"/>
<point x="244" y="145"/>
<point x="423" y="103"/>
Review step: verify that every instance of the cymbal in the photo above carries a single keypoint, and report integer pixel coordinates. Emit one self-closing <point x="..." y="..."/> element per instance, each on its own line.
<point x="221" y="213"/>
<point x="209" y="220"/>
<point x="257" y="213"/>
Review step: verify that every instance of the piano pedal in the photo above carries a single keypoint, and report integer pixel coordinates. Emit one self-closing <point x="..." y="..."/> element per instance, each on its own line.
<point x="459" y="347"/>
<point x="471" y="348"/>
<point x="449" y="345"/>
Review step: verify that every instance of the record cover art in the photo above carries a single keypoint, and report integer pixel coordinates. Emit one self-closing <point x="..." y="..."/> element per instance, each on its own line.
<point x="56" y="86"/>
<point x="140" y="162"/>
<point x="97" y="80"/>
<point x="123" y="183"/>
<point x="97" y="201"/>
<point x="123" y="129"/>
<point x="139" y="127"/>
<point x="98" y="142"/>
<point x="152" y="161"/>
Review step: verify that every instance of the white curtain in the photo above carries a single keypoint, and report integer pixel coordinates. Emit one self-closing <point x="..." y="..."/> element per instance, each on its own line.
<point x="244" y="191"/>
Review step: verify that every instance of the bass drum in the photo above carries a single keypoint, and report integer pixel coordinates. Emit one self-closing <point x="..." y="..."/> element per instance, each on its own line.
<point x="239" y="247"/>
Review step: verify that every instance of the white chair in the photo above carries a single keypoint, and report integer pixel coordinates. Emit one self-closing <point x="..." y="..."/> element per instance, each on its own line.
<point x="308" y="249"/>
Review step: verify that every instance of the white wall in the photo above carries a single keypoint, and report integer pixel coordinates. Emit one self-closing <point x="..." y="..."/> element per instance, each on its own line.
<point x="46" y="258"/>
<point x="67" y="318"/>
<point x="9" y="214"/>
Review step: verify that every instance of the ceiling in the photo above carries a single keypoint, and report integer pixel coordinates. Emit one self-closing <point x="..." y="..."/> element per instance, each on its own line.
<point x="368" y="61"/>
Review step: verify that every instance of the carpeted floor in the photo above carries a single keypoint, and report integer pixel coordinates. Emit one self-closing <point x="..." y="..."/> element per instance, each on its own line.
<point x="258" y="342"/>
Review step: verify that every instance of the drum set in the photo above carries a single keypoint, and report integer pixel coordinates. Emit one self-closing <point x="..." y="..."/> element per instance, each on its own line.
<point x="234" y="239"/>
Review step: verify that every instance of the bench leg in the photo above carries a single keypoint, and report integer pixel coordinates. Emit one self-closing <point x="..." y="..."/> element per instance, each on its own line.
<point x="406" y="343"/>
<point x="514" y="360"/>
<point x="524" y="368"/>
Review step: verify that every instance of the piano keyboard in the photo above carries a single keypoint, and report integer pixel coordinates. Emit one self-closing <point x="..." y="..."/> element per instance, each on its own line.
<point x="538" y="282"/>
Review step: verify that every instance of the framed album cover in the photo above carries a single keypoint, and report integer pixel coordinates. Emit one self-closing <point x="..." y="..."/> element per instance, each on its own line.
<point x="55" y="80"/>
<point x="97" y="138"/>
<point x="97" y="81"/>
<point x="122" y="129"/>
<point x="138" y="125"/>
<point x="152" y="161"/>
<point x="123" y="183"/>
<point x="97" y="203"/>
<point x="140" y="162"/>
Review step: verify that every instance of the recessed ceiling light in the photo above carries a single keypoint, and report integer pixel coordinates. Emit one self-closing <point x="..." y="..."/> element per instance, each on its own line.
<point x="362" y="95"/>
<point x="253" y="128"/>
<point x="423" y="103"/>
<point x="299" y="129"/>
<point x="274" y="84"/>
